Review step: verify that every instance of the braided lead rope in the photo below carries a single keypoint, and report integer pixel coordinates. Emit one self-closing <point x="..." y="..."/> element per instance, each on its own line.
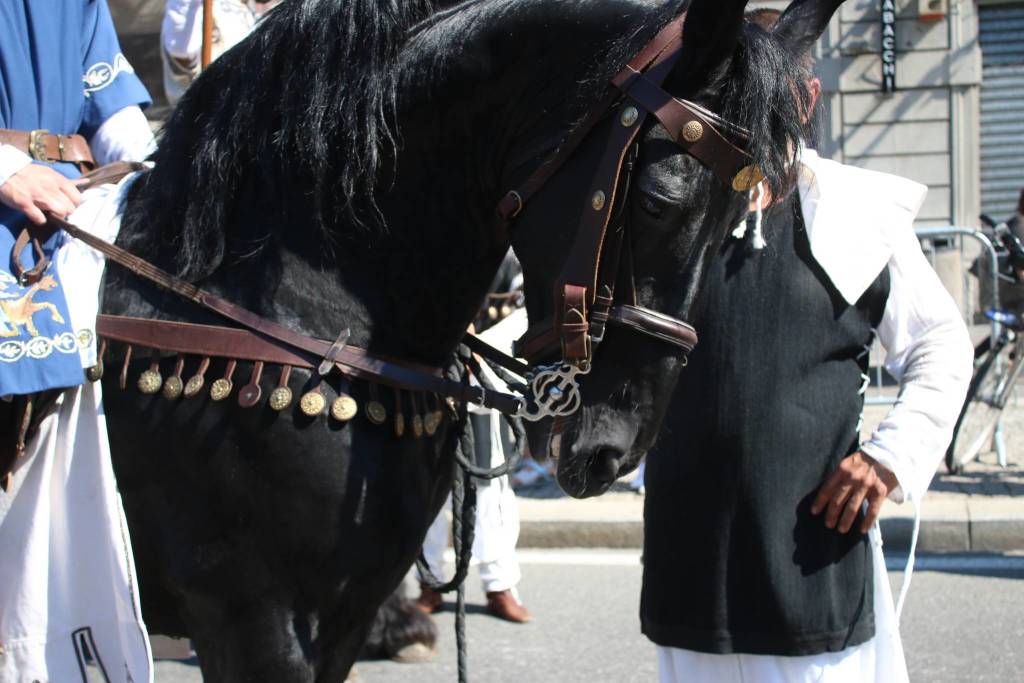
<point x="464" y="502"/>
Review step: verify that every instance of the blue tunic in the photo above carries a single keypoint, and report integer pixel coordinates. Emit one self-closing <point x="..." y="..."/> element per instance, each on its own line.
<point x="61" y="68"/>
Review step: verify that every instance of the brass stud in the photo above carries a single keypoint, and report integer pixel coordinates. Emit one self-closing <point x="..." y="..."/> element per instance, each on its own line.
<point x="629" y="116"/>
<point x="194" y="385"/>
<point x="220" y="389"/>
<point x="417" y="426"/>
<point x="747" y="178"/>
<point x="95" y="373"/>
<point x="376" y="412"/>
<point x="344" y="408"/>
<point x="280" y="398"/>
<point x="597" y="201"/>
<point x="312" y="403"/>
<point x="693" y="131"/>
<point x="173" y="387"/>
<point x="431" y="421"/>
<point x="150" y="382"/>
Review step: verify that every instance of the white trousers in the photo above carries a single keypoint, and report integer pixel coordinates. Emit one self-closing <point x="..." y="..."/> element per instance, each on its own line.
<point x="496" y="532"/>
<point x="880" y="660"/>
<point x="69" y="603"/>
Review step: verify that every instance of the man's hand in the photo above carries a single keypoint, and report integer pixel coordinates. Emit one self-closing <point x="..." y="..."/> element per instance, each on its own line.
<point x="35" y="189"/>
<point x="857" y="479"/>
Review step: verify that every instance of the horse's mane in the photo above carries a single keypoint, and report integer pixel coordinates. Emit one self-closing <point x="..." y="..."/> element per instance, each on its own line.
<point x="301" y="107"/>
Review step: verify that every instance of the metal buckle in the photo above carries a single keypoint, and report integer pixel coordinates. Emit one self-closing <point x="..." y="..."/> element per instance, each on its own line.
<point x="555" y="392"/>
<point x="37" y="144"/>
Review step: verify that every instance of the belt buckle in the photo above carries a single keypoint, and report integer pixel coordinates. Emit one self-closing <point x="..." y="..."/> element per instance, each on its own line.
<point x="37" y="144"/>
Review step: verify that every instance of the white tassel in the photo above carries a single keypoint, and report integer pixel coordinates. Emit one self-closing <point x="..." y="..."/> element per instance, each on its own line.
<point x="757" y="242"/>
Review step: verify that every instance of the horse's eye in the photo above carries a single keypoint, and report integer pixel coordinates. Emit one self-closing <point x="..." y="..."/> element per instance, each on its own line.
<point x="651" y="205"/>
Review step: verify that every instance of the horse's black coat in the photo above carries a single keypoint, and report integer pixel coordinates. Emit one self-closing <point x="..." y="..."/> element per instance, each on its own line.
<point x="339" y="169"/>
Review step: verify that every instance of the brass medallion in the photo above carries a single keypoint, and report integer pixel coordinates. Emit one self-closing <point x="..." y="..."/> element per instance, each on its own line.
<point x="597" y="200"/>
<point x="431" y="421"/>
<point x="629" y="116"/>
<point x="220" y="389"/>
<point x="399" y="425"/>
<point x="747" y="178"/>
<point x="194" y="385"/>
<point x="173" y="387"/>
<point x="280" y="398"/>
<point x="344" y="408"/>
<point x="312" y="403"/>
<point x="693" y="131"/>
<point x="417" y="426"/>
<point x="150" y="382"/>
<point x="376" y="413"/>
<point x="95" y="373"/>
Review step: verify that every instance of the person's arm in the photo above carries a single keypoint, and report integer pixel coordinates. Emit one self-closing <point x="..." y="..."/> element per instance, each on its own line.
<point x="181" y="32"/>
<point x="124" y="136"/>
<point x="929" y="351"/>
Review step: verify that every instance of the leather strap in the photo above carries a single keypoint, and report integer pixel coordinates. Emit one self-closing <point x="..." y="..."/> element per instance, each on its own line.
<point x="42" y="145"/>
<point x="233" y="343"/>
<point x="542" y="339"/>
<point x="710" y="147"/>
<point x="404" y="375"/>
<point x="514" y="200"/>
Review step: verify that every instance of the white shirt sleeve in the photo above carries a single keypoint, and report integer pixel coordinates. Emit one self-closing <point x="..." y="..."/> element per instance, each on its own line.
<point x="181" y="31"/>
<point x="12" y="160"/>
<point x="929" y="352"/>
<point x="124" y="136"/>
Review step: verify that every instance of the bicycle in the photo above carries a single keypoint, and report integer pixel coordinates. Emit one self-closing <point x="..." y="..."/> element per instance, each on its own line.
<point x="998" y="362"/>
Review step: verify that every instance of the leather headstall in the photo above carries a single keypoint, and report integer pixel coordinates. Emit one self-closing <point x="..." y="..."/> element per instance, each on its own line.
<point x="585" y="297"/>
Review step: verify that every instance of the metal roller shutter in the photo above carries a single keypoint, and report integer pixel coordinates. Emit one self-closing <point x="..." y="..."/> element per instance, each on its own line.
<point x="1002" y="108"/>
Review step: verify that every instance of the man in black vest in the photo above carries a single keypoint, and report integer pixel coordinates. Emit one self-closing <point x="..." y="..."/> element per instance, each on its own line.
<point x="762" y="560"/>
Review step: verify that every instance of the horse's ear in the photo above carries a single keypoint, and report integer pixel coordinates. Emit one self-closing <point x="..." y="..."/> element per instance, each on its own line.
<point x="803" y="22"/>
<point x="710" y="34"/>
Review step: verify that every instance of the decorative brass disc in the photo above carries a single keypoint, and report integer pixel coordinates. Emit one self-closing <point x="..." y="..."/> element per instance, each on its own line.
<point x="220" y="389"/>
<point x="173" y="387"/>
<point x="629" y="116"/>
<point x="417" y="426"/>
<point x="399" y="425"/>
<point x="597" y="200"/>
<point x="431" y="421"/>
<point x="194" y="385"/>
<point x="150" y="382"/>
<point x="747" y="178"/>
<point x="693" y="131"/>
<point x="280" y="398"/>
<point x="95" y="373"/>
<point x="312" y="403"/>
<point x="376" y="413"/>
<point x="344" y="408"/>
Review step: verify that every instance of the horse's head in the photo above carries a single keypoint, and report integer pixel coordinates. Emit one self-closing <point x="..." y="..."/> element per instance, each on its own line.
<point x="673" y="205"/>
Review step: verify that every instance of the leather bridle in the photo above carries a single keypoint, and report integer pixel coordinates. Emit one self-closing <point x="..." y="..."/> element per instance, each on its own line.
<point x="591" y="293"/>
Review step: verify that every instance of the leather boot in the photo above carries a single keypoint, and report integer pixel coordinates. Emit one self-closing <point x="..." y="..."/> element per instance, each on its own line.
<point x="430" y="600"/>
<point x="504" y="605"/>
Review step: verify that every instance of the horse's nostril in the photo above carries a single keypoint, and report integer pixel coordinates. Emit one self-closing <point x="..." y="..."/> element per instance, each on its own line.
<point x="606" y="465"/>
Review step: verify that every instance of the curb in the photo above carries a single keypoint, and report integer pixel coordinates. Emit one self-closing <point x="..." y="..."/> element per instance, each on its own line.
<point x="937" y="535"/>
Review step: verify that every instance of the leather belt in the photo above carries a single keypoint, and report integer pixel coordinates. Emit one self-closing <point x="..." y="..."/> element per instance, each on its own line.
<point x="42" y="145"/>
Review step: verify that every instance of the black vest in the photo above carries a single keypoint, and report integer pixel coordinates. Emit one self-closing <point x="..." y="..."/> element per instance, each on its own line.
<point x="768" y="406"/>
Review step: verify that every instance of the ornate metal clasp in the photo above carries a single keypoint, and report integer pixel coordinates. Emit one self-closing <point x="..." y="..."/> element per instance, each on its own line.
<point x="554" y="392"/>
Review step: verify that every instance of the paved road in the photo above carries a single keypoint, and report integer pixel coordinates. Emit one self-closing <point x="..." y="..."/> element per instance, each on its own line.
<point x="962" y="623"/>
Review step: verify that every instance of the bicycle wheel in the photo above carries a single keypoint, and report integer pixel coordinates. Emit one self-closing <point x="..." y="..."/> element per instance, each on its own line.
<point x="986" y="397"/>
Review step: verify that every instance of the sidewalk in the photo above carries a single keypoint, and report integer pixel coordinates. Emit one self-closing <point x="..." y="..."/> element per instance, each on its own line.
<point x="980" y="511"/>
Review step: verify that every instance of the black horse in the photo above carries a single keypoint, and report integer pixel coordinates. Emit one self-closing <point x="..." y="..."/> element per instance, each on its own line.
<point x="339" y="169"/>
